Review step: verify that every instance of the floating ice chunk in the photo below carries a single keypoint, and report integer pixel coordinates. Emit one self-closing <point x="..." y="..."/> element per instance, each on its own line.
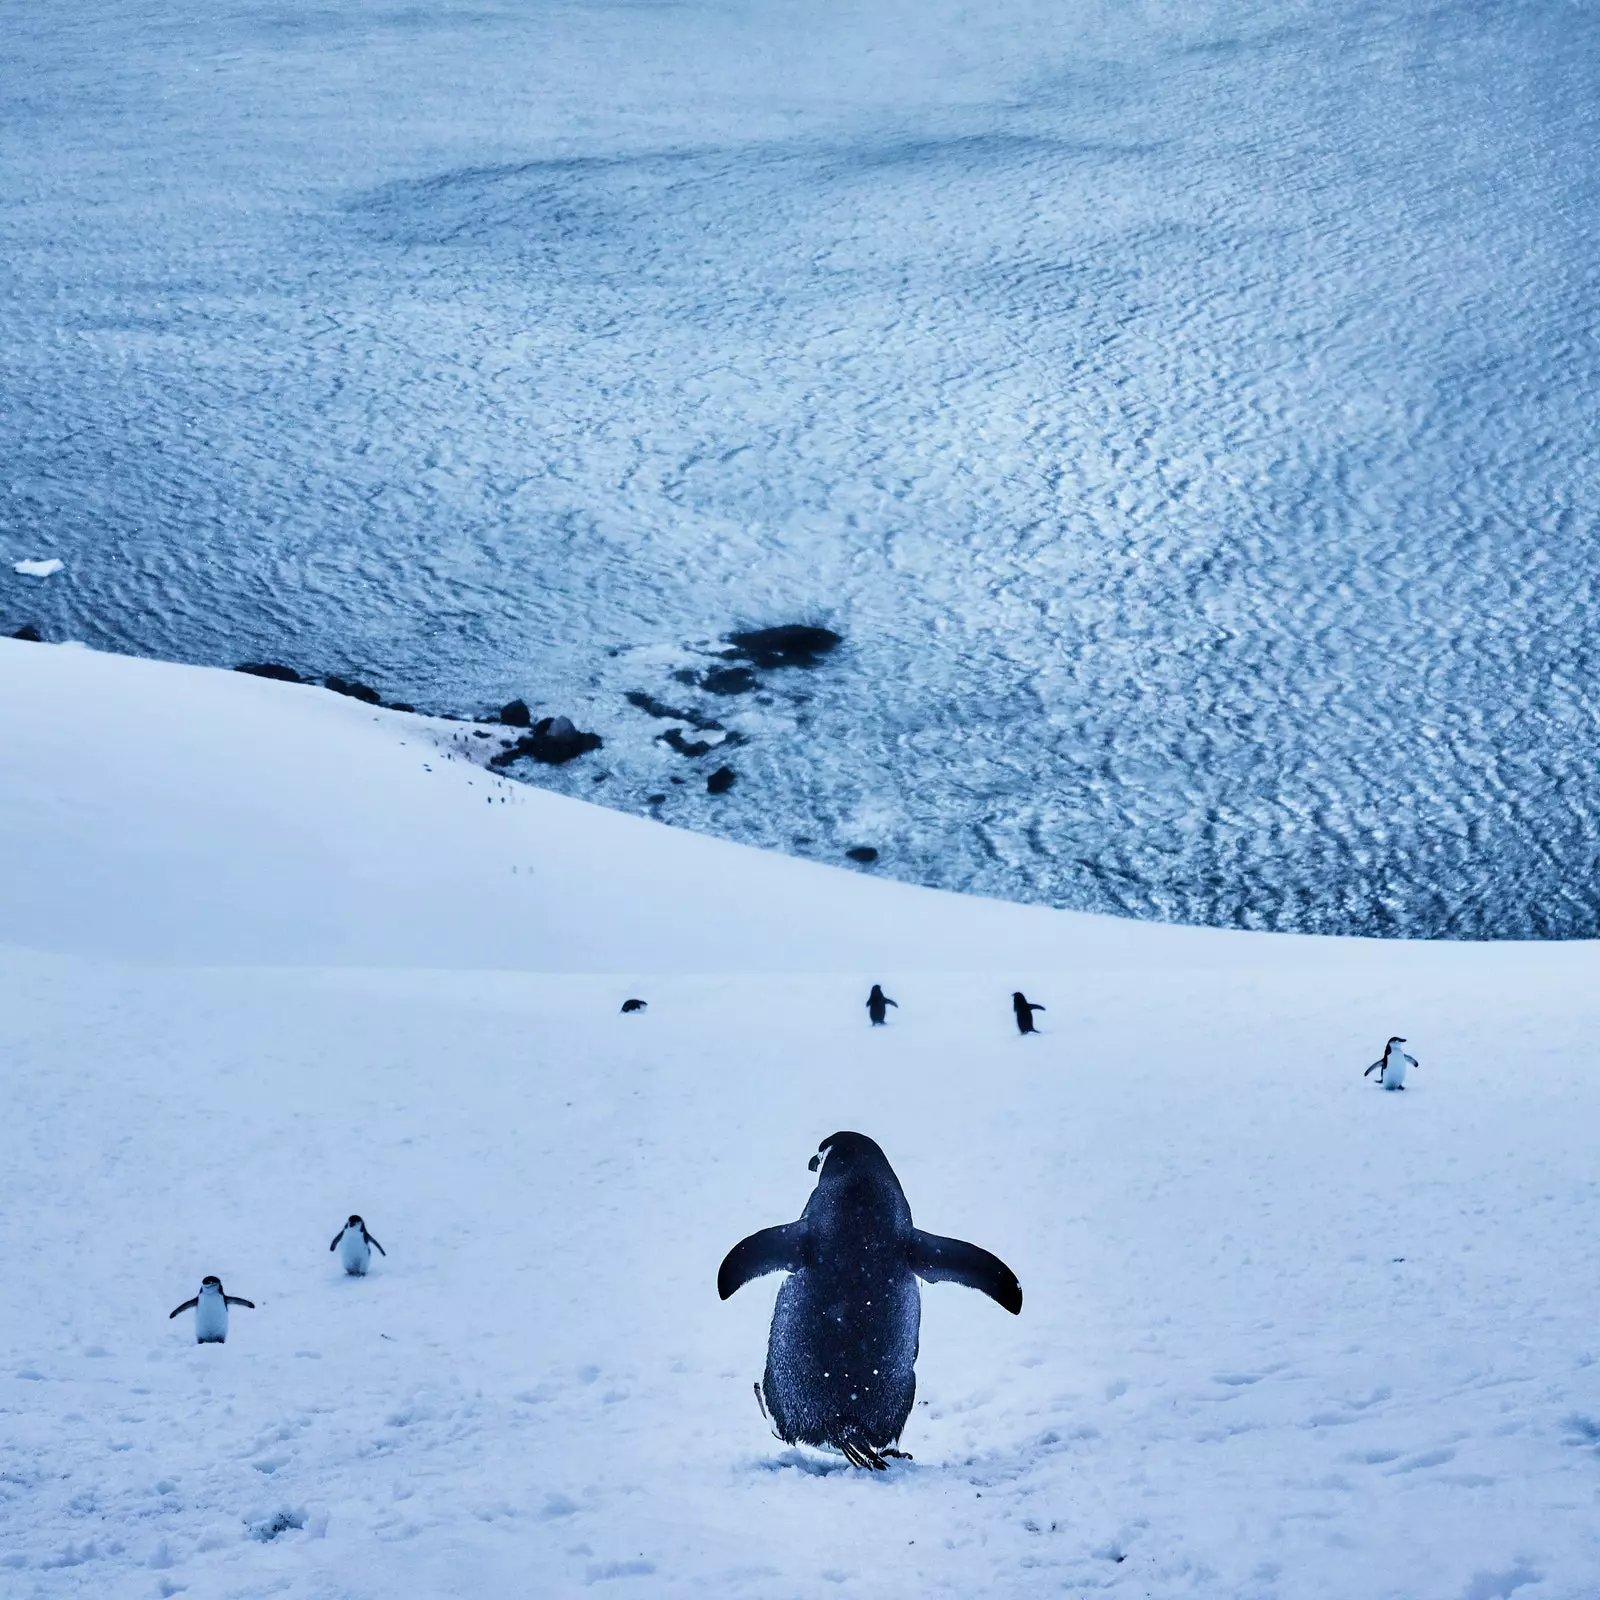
<point x="38" y="569"/>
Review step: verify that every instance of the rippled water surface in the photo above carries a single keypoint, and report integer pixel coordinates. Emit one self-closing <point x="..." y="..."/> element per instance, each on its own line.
<point x="1185" y="415"/>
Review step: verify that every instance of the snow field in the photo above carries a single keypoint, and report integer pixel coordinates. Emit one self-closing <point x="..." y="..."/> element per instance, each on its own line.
<point x="1284" y="1335"/>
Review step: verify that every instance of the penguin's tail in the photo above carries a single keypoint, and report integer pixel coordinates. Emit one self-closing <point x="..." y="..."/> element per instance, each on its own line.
<point x="858" y="1450"/>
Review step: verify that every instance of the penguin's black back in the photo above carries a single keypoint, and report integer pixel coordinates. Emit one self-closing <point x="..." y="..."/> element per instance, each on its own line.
<point x="841" y="1357"/>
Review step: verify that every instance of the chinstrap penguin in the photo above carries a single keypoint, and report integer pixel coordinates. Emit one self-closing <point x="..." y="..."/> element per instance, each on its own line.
<point x="1024" y="1009"/>
<point x="352" y="1242"/>
<point x="1392" y="1065"/>
<point x="876" y="1001"/>
<point x="210" y="1309"/>
<point x="841" y="1355"/>
<point x="630" y="1006"/>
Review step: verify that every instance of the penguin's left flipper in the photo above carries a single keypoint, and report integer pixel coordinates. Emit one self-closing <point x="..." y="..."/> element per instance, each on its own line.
<point x="771" y="1250"/>
<point x="234" y="1300"/>
<point x="940" y="1260"/>
<point x="376" y="1246"/>
<point x="188" y="1305"/>
<point x="336" y="1238"/>
<point x="1373" y="1068"/>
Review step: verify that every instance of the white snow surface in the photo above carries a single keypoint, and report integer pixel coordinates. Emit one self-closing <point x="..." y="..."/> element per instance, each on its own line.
<point x="272" y="956"/>
<point x="1185" y="413"/>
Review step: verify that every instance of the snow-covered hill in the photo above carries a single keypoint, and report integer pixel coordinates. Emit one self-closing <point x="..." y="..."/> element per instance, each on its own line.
<point x="271" y="956"/>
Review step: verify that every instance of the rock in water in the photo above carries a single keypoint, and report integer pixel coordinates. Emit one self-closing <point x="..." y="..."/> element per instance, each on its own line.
<point x="270" y="669"/>
<point x="794" y="644"/>
<point x="721" y="781"/>
<point x="357" y="691"/>
<point x="553" y="742"/>
<point x="515" y="714"/>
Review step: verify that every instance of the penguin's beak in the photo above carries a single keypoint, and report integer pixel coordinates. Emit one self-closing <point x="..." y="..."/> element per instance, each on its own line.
<point x="814" y="1162"/>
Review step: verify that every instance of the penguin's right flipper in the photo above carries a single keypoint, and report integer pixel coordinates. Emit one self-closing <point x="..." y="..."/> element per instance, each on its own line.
<point x="771" y="1250"/>
<point x="939" y="1260"/>
<point x="234" y="1300"/>
<point x="376" y="1246"/>
<point x="1373" y="1068"/>
<point x="188" y="1305"/>
<point x="336" y="1238"/>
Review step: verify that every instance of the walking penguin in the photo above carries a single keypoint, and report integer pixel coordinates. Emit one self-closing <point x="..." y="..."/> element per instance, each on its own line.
<point x="1392" y="1065"/>
<point x="876" y="1001"/>
<point x="841" y="1355"/>
<point x="352" y="1242"/>
<point x="1024" y="1009"/>
<point x="210" y="1309"/>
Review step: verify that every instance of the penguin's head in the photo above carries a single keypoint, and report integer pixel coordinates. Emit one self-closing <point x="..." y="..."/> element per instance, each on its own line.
<point x="1018" y="998"/>
<point x="209" y="1282"/>
<point x="354" y="1222"/>
<point x="842" y="1155"/>
<point x="1394" y="1040"/>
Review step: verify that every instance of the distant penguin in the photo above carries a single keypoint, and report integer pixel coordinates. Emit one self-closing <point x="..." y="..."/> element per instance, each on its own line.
<point x="1024" y="1009"/>
<point x="634" y="1005"/>
<point x="1392" y="1065"/>
<point x="876" y="1001"/>
<point x="841" y="1355"/>
<point x="352" y="1242"/>
<point x="210" y="1309"/>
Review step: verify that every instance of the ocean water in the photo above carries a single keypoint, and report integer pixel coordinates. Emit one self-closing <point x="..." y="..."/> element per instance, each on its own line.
<point x="1184" y="416"/>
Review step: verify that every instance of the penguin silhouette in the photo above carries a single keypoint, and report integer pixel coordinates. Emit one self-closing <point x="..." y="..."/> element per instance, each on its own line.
<point x="876" y="1001"/>
<point x="629" y="1006"/>
<point x="1024" y="1008"/>
<point x="210" y="1309"/>
<point x="842" y="1350"/>
<point x="352" y="1242"/>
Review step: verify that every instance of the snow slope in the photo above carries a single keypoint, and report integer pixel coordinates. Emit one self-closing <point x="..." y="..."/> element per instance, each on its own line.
<point x="271" y="957"/>
<point x="1184" y="412"/>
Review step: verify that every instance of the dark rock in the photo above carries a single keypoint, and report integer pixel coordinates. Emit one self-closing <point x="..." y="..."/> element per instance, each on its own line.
<point x="656" y="800"/>
<point x="659" y="708"/>
<point x="686" y="747"/>
<point x="686" y="675"/>
<point x="729" y="680"/>
<point x="28" y="634"/>
<point x="634" y="1005"/>
<point x="553" y="742"/>
<point x="400" y="705"/>
<point x="674" y="780"/>
<point x="864" y="853"/>
<point x="271" y="669"/>
<point x="721" y="781"/>
<point x="794" y="644"/>
<point x="479" y="733"/>
<point x="515" y="714"/>
<point x="367" y="695"/>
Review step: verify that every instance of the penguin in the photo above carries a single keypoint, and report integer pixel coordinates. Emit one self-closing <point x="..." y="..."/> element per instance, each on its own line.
<point x="634" y="1005"/>
<point x="351" y="1241"/>
<point x="876" y="1001"/>
<point x="210" y="1309"/>
<point x="1391" y="1066"/>
<point x="1024" y="1008"/>
<point x="842" y="1351"/>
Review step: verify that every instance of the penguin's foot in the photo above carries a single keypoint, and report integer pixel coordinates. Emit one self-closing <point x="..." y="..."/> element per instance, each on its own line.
<point x="896" y="1455"/>
<point x="760" y="1401"/>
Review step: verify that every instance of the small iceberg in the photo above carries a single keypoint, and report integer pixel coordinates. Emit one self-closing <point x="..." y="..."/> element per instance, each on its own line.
<point x="38" y="569"/>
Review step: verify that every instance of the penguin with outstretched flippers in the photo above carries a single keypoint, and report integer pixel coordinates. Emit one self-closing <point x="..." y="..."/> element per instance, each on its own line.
<point x="355" y="1246"/>
<point x="876" y="1002"/>
<point x="1024" y="1009"/>
<point x="1392" y="1065"/>
<point x="210" y="1309"/>
<point x="842" y="1351"/>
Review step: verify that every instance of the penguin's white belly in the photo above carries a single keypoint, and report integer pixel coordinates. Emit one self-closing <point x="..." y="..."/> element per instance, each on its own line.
<point x="354" y="1252"/>
<point x="1394" y="1072"/>
<point x="211" y="1319"/>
